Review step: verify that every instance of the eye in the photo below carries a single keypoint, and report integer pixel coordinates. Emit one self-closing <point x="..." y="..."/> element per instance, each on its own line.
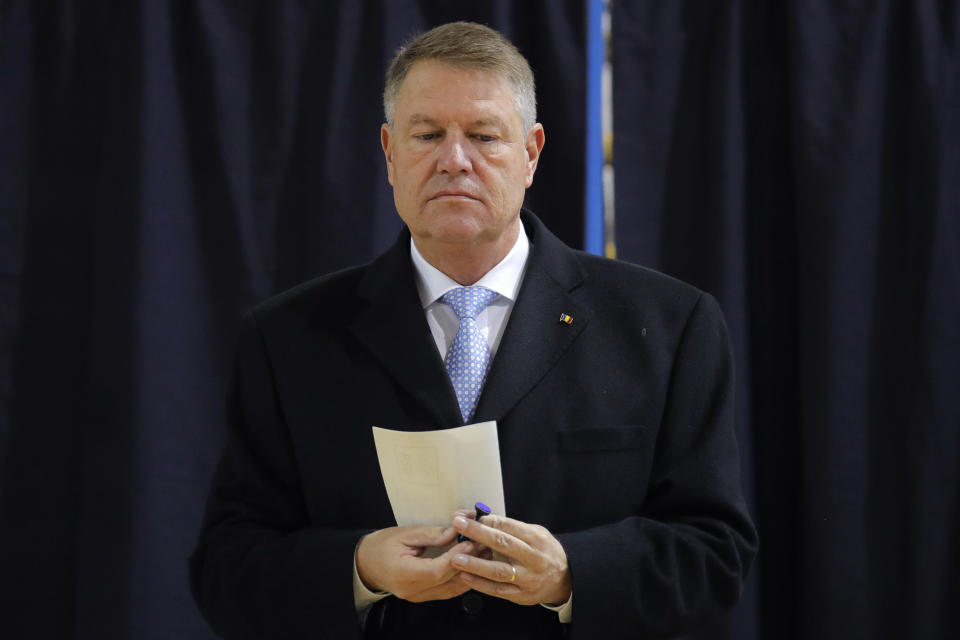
<point x="484" y="138"/>
<point x="427" y="137"/>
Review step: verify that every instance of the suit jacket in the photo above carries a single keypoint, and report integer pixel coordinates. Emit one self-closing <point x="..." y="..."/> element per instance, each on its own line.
<point x="616" y="433"/>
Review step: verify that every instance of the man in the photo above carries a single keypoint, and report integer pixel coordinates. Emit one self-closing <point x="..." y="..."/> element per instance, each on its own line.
<point x="611" y="385"/>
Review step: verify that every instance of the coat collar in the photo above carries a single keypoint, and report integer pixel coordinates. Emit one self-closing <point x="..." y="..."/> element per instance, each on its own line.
<point x="393" y="327"/>
<point x="536" y="337"/>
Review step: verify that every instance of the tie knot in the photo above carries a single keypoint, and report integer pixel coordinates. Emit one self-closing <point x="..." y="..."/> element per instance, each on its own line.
<point x="467" y="302"/>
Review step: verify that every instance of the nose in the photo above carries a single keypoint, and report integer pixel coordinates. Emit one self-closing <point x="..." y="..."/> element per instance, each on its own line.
<point x="453" y="154"/>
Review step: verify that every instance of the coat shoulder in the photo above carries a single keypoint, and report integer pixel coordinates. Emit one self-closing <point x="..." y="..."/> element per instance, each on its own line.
<point x="616" y="279"/>
<point x="331" y="297"/>
<point x="634" y="294"/>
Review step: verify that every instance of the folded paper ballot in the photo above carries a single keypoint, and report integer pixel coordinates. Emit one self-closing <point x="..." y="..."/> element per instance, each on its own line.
<point x="430" y="474"/>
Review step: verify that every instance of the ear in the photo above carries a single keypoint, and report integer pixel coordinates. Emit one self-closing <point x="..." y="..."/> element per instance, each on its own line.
<point x="387" y="143"/>
<point x="533" y="144"/>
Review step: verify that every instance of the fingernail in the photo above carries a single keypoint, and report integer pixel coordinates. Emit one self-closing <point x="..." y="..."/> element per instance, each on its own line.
<point x="460" y="560"/>
<point x="460" y="523"/>
<point x="446" y="532"/>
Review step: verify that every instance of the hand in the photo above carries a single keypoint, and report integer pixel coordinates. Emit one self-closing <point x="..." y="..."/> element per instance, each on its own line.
<point x="390" y="560"/>
<point x="535" y="572"/>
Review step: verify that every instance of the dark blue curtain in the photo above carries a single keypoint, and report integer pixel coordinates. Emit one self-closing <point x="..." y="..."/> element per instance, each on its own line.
<point x="800" y="160"/>
<point x="166" y="164"/>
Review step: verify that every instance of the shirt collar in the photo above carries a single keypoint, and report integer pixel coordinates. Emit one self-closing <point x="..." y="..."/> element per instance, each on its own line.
<point x="504" y="278"/>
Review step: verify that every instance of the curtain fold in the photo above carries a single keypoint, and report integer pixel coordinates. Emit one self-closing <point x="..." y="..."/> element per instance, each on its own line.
<point x="801" y="163"/>
<point x="166" y="165"/>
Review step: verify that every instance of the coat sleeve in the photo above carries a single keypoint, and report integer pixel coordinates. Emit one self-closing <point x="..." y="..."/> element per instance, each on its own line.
<point x="260" y="570"/>
<point x="685" y="556"/>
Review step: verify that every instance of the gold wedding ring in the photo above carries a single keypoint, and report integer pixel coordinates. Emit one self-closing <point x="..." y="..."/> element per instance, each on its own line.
<point x="513" y="578"/>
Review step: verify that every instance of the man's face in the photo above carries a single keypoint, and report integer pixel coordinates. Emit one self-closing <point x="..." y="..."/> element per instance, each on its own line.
<point x="457" y="156"/>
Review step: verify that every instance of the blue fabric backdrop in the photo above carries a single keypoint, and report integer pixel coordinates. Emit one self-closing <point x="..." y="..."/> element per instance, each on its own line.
<point x="163" y="165"/>
<point x="800" y="161"/>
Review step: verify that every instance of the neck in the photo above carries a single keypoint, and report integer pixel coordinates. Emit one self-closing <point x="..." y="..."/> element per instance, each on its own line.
<point x="467" y="263"/>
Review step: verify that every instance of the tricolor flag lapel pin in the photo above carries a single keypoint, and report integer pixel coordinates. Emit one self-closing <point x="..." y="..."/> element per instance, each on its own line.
<point x="566" y="319"/>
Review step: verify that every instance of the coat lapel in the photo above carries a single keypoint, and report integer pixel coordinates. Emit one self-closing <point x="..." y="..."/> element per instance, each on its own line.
<point x="394" y="329"/>
<point x="536" y="337"/>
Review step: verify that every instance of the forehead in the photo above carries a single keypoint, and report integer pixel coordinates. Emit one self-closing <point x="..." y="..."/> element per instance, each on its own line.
<point x="442" y="91"/>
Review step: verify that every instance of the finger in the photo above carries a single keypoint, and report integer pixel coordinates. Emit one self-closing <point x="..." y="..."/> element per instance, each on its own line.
<point x="490" y="569"/>
<point x="447" y="536"/>
<point x="467" y="548"/>
<point x="440" y="570"/>
<point x="538" y="537"/>
<point x="503" y="590"/>
<point x="428" y="536"/>
<point x="534" y="535"/>
<point x="499" y="541"/>
<point x="452" y="588"/>
<point x="433" y="572"/>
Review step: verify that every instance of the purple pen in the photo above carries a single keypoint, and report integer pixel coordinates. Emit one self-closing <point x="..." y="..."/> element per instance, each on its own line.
<point x="482" y="510"/>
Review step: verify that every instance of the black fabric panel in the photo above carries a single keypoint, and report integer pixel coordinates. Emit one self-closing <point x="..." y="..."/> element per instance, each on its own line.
<point x="164" y="166"/>
<point x="799" y="160"/>
<point x="69" y="449"/>
<point x="875" y="152"/>
<point x="773" y="319"/>
<point x="680" y="176"/>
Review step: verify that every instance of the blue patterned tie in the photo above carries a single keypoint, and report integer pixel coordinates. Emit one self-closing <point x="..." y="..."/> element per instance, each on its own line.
<point x="469" y="354"/>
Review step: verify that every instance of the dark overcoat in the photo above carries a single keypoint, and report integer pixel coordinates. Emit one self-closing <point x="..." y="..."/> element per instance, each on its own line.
<point x="616" y="433"/>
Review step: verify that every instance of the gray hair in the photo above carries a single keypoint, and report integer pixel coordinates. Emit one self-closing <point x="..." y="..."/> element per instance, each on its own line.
<point x="467" y="45"/>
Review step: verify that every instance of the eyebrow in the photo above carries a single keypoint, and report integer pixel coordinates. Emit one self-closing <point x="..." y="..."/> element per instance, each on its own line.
<point x="422" y="119"/>
<point x="492" y="121"/>
<point x="419" y="118"/>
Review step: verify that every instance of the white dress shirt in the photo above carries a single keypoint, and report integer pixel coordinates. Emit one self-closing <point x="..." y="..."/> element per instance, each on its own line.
<point x="432" y="284"/>
<point x="504" y="278"/>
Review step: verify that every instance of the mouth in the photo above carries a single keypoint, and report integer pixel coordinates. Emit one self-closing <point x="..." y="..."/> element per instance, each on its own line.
<point x="452" y="194"/>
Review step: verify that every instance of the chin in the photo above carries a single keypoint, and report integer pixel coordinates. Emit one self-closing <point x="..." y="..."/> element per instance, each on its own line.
<point x="462" y="223"/>
<point x="458" y="233"/>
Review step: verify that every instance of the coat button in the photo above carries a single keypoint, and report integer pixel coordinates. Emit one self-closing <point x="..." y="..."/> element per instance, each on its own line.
<point x="471" y="603"/>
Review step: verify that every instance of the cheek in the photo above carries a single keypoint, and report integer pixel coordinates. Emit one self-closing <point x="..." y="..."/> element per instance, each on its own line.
<point x="413" y="172"/>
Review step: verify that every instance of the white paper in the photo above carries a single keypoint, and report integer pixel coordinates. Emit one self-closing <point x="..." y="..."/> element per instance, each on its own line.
<point x="430" y="474"/>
